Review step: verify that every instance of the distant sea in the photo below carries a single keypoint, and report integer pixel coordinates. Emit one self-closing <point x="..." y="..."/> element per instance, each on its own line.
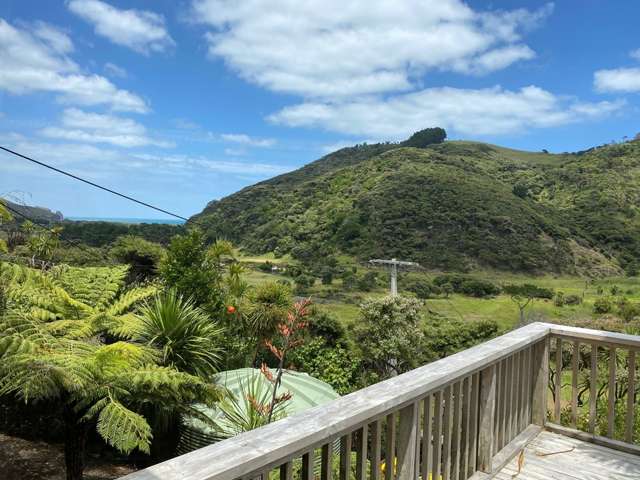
<point x="169" y="221"/>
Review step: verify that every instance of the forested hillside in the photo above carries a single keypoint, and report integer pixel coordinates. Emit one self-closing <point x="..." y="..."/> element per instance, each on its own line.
<point x="454" y="205"/>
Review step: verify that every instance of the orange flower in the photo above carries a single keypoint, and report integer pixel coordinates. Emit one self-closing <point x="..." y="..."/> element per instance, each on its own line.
<point x="231" y="309"/>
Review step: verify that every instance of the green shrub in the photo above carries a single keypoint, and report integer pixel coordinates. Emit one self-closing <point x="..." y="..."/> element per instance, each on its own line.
<point x="332" y="364"/>
<point x="572" y="300"/>
<point x="478" y="288"/>
<point x="421" y="288"/>
<point x="266" y="266"/>
<point x="368" y="281"/>
<point x="389" y="336"/>
<point x="443" y="337"/>
<point x="326" y="275"/>
<point x="143" y="256"/>
<point x="603" y="305"/>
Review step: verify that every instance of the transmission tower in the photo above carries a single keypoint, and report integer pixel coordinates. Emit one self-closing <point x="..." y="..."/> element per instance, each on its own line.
<point x="393" y="266"/>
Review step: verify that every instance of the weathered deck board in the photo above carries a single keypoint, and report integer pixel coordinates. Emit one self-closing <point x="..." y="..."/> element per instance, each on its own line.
<point x="586" y="462"/>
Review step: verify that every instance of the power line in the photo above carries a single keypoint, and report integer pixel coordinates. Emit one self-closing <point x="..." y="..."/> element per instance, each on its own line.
<point x="50" y="167"/>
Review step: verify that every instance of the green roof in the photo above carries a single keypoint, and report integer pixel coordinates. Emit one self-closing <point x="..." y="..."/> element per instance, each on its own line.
<point x="306" y="391"/>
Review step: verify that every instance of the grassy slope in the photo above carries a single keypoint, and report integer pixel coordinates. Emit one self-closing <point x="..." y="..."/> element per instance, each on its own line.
<point x="501" y="309"/>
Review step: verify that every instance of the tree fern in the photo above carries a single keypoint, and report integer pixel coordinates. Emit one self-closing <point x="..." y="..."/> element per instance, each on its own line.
<point x="51" y="347"/>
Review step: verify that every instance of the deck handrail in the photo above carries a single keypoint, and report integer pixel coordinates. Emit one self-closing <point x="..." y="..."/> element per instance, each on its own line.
<point x="474" y="386"/>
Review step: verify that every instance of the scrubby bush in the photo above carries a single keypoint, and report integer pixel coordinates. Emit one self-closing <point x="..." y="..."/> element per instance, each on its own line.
<point x="603" y="305"/>
<point x="421" y="288"/>
<point x="444" y="337"/>
<point x="478" y="288"/>
<point x="326" y="275"/>
<point x="572" y="300"/>
<point x="472" y="287"/>
<point x="368" y="281"/>
<point x="266" y="266"/>
<point x="628" y="311"/>
<point x="332" y="364"/>
<point x="389" y="336"/>
<point x="143" y="256"/>
<point x="558" y="300"/>
<point x="326" y="326"/>
<point x="304" y="282"/>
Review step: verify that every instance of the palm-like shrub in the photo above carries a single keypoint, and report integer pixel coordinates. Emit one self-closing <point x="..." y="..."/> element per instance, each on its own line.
<point x="249" y="409"/>
<point x="185" y="336"/>
<point x="268" y="305"/>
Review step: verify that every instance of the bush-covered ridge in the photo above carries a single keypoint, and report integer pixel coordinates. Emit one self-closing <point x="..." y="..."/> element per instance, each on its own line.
<point x="454" y="205"/>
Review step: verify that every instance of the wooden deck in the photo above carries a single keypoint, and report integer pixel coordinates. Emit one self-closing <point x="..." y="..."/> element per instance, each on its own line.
<point x="585" y="461"/>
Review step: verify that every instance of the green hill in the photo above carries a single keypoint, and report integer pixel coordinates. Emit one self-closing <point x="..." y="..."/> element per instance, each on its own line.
<point x="455" y="205"/>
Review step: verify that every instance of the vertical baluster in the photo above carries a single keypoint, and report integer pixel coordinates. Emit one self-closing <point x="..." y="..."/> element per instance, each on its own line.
<point x="427" y="451"/>
<point x="455" y="437"/>
<point x="376" y="449"/>
<point x="540" y="382"/>
<point x="525" y="376"/>
<point x="390" y="447"/>
<point x="593" y="388"/>
<point x="465" y="438"/>
<point x="521" y="392"/>
<point x="326" y="462"/>
<point x="307" y="465"/>
<point x="631" y="394"/>
<point x="264" y="475"/>
<point x="437" y="435"/>
<point x="361" y="453"/>
<point x="611" y="408"/>
<point x="501" y="413"/>
<point x="407" y="438"/>
<point x="515" y="361"/>
<point x="485" y="422"/>
<point x="574" y="383"/>
<point x="473" y="420"/>
<point x="446" y="430"/>
<point x="345" y="457"/>
<point x="528" y="375"/>
<point x="558" y="392"/>
<point x="508" y="400"/>
<point x="286" y="471"/>
<point x="496" y="420"/>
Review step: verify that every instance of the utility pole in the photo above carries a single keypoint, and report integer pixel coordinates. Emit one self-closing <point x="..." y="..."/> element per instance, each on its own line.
<point x="393" y="265"/>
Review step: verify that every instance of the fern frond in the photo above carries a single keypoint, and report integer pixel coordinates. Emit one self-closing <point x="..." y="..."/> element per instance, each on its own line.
<point x="130" y="298"/>
<point x="124" y="429"/>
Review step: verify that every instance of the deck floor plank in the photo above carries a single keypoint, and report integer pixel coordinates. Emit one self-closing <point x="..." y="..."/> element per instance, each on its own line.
<point x="585" y="462"/>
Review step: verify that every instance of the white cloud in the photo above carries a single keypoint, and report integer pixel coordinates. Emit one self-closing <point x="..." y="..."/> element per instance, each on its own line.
<point x="490" y="111"/>
<point x="89" y="127"/>
<point x="617" y="80"/>
<point x="244" y="139"/>
<point x="97" y="162"/>
<point x="333" y="49"/>
<point x="38" y="61"/>
<point x="635" y="54"/>
<point x="114" y="70"/>
<point x="499" y="58"/>
<point x="220" y="166"/>
<point x="139" y="30"/>
<point x="58" y="40"/>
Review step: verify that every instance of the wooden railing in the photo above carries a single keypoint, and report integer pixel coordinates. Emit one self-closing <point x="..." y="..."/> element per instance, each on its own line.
<point x="462" y="416"/>
<point x="594" y="385"/>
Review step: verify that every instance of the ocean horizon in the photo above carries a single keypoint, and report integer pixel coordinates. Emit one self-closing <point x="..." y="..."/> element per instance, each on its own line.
<point x="168" y="221"/>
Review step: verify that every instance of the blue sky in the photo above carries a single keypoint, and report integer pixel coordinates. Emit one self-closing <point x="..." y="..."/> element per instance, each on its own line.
<point x="179" y="103"/>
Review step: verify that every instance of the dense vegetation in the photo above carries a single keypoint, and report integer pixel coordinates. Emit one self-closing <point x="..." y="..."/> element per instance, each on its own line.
<point x="454" y="205"/>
